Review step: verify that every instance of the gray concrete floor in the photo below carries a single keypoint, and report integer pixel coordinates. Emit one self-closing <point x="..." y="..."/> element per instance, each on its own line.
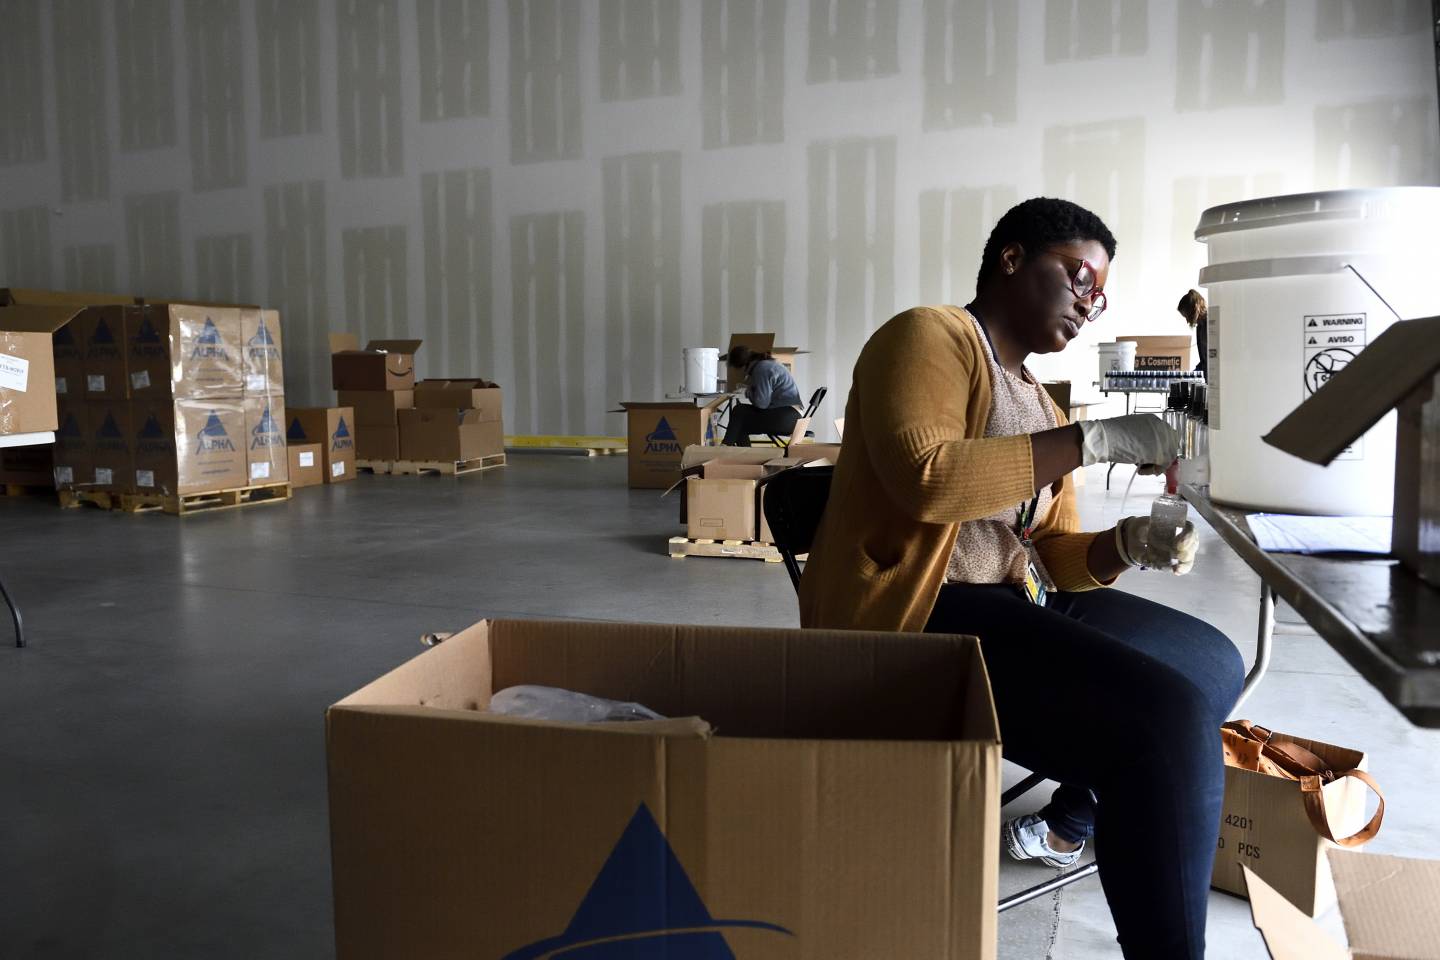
<point x="162" y="739"/>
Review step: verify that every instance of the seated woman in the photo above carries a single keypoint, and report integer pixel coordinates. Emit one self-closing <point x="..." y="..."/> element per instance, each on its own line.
<point x="774" y="398"/>
<point x="952" y="511"/>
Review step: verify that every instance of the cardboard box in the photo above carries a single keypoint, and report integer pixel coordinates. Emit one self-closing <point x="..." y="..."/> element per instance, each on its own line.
<point x="1387" y="904"/>
<point x="190" y="446"/>
<point x="377" y="443"/>
<point x="27" y="368"/>
<point x="185" y="351"/>
<point x="307" y="464"/>
<point x="1163" y="352"/>
<point x="481" y="395"/>
<point x="722" y="493"/>
<point x="659" y="432"/>
<point x="262" y="364"/>
<point x="331" y="428"/>
<point x="112" y="450"/>
<point x="760" y="343"/>
<point x="1401" y="371"/>
<point x="448" y="436"/>
<point x="382" y="365"/>
<point x="19" y="296"/>
<point x="71" y="449"/>
<point x="69" y="359"/>
<point x="1059" y="391"/>
<point x="265" y="457"/>
<point x="1263" y="825"/>
<point x="377" y="408"/>
<point x="32" y="466"/>
<point x="824" y="794"/>
<point x="101" y="332"/>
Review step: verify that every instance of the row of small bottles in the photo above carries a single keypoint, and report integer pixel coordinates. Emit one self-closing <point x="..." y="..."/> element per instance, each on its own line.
<point x="1157" y="381"/>
<point x="1187" y="410"/>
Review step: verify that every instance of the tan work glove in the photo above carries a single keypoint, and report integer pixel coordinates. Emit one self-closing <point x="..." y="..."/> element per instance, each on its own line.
<point x="1132" y="541"/>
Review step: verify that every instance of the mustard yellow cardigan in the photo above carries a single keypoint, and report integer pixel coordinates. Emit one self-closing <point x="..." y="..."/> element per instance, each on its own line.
<point x="915" y="464"/>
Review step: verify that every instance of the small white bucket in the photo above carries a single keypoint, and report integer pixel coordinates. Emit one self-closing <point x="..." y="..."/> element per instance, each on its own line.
<point x="701" y="366"/>
<point x="1119" y="355"/>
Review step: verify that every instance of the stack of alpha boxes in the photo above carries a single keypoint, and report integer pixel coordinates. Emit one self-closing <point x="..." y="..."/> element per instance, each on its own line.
<point x="170" y="399"/>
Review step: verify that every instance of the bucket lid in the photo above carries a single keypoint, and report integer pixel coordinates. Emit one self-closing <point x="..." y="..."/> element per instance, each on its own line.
<point x="1380" y="204"/>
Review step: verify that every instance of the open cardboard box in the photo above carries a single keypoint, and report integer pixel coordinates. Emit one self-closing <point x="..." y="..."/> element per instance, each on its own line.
<point x="722" y="488"/>
<point x="382" y="365"/>
<point x="1388" y="905"/>
<point x="27" y="370"/>
<point x="819" y="794"/>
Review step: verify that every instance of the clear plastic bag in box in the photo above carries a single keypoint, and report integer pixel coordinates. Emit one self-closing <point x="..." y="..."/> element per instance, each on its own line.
<point x="551" y="703"/>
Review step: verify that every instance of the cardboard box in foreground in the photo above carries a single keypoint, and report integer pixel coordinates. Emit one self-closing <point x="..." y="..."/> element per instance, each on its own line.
<point x="823" y="795"/>
<point x="27" y="368"/>
<point x="1387" y="903"/>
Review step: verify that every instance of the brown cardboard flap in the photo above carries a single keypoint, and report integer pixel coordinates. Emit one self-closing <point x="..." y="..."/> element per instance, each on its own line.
<point x="36" y="319"/>
<point x="1388" y="904"/>
<point x="1288" y="933"/>
<point x="344" y="342"/>
<point x="1364" y="390"/>
<point x="758" y="342"/>
<point x="394" y="346"/>
<point x="696" y="454"/>
<point x="10" y="296"/>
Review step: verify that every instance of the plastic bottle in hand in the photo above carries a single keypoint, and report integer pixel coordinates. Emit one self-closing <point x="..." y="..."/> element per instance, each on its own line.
<point x="1167" y="518"/>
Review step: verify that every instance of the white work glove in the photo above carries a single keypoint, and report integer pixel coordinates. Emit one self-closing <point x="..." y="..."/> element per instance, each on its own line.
<point x="1140" y="438"/>
<point x="1132" y="541"/>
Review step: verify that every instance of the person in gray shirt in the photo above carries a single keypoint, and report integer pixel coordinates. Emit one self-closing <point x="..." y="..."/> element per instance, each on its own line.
<point x="774" y="398"/>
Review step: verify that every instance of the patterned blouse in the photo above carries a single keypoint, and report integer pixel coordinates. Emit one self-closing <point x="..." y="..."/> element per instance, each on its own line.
<point x="989" y="550"/>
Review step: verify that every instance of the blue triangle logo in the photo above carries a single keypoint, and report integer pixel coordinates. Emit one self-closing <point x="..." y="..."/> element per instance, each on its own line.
<point x="296" y="432"/>
<point x="147" y="332"/>
<point x="213" y="427"/>
<point x="69" y="428"/>
<point x="342" y="430"/>
<point x="209" y="334"/>
<point x="663" y="433"/>
<point x="642" y="906"/>
<point x="152" y="429"/>
<point x="262" y="337"/>
<point x="102" y="332"/>
<point x="266" y="424"/>
<point x="109" y="429"/>
<point x="63" y="337"/>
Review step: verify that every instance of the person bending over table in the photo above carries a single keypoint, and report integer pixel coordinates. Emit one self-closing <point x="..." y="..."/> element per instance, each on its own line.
<point x="773" y="397"/>
<point x="952" y="510"/>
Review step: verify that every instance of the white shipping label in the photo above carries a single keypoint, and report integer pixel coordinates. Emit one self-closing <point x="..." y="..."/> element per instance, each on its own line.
<point x="337" y="469"/>
<point x="95" y="383"/>
<point x="255" y="383"/>
<point x="307" y="458"/>
<point x="140" y="379"/>
<point x="145" y="478"/>
<point x="104" y="476"/>
<point x="61" y="387"/>
<point x="64" y="476"/>
<point x="260" y="471"/>
<point x="14" y="373"/>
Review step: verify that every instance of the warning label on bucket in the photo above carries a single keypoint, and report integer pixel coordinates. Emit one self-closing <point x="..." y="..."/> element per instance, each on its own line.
<point x="1330" y="342"/>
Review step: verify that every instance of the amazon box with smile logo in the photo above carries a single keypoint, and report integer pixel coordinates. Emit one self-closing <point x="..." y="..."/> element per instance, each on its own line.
<point x="382" y="365"/>
<point x="812" y="795"/>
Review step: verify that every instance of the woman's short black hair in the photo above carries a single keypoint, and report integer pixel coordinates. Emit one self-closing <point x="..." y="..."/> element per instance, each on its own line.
<point x="1042" y="222"/>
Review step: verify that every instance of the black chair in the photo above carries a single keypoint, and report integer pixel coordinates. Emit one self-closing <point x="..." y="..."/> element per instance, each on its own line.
<point x="809" y="413"/>
<point x="794" y="503"/>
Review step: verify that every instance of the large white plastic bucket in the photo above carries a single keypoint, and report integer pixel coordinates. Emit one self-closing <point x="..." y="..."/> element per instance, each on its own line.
<point x="1288" y="307"/>
<point x="1119" y="355"/>
<point x="701" y="366"/>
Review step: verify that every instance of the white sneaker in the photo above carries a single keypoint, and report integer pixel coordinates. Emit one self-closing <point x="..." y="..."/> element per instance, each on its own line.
<point x="1024" y="839"/>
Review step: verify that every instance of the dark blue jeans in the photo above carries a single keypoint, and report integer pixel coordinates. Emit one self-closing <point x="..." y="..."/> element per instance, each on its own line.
<point x="1119" y="697"/>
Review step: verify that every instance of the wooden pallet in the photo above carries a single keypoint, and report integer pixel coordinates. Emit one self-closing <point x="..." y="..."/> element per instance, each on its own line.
<point x="181" y="506"/>
<point x="574" y="446"/>
<point x="449" y="468"/>
<point x="29" y="489"/>
<point x="682" y="547"/>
